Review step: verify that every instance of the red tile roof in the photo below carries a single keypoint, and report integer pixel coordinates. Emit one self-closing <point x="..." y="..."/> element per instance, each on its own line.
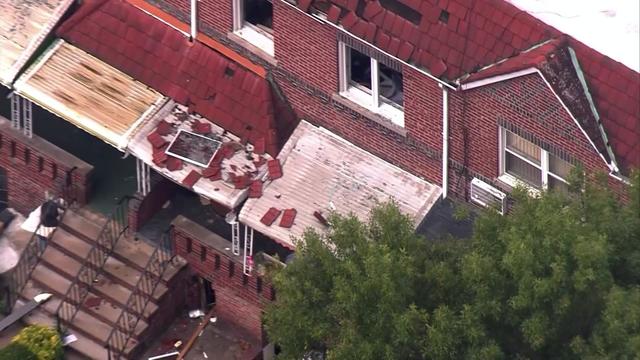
<point x="479" y="33"/>
<point x="189" y="72"/>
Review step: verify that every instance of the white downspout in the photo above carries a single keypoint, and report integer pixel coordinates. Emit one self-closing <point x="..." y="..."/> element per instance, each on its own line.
<point x="445" y="141"/>
<point x="194" y="19"/>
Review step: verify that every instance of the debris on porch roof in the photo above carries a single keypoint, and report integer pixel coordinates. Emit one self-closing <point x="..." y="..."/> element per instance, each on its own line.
<point x="322" y="172"/>
<point x="231" y="171"/>
<point x="191" y="73"/>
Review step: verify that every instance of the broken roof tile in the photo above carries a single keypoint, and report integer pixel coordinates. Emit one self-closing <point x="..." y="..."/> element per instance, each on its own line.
<point x="270" y="216"/>
<point x="275" y="170"/>
<point x="191" y="179"/>
<point x="156" y="139"/>
<point x="144" y="47"/>
<point x="163" y="128"/>
<point x="174" y="164"/>
<point x="255" y="189"/>
<point x="211" y="171"/>
<point x="288" y="216"/>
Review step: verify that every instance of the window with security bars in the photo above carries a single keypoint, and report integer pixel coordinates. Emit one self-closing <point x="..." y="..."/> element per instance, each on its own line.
<point x="527" y="162"/>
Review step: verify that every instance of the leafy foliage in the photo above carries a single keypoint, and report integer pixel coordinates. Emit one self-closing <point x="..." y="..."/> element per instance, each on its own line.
<point x="42" y="341"/>
<point x="15" y="351"/>
<point x="559" y="277"/>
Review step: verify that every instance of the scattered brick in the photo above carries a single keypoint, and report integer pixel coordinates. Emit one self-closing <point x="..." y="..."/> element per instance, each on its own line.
<point x="156" y="139"/>
<point x="255" y="189"/>
<point x="275" y="170"/>
<point x="163" y="128"/>
<point x="321" y="218"/>
<point x="191" y="179"/>
<point x="211" y="171"/>
<point x="174" y="164"/>
<point x="287" y="218"/>
<point x="270" y="216"/>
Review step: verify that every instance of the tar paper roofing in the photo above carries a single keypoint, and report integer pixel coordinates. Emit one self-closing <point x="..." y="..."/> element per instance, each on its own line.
<point x="191" y="73"/>
<point x="225" y="180"/>
<point x="88" y="93"/>
<point x="23" y="27"/>
<point x="322" y="172"/>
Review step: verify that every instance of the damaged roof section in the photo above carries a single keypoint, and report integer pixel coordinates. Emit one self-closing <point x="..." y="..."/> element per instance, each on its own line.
<point x="88" y="93"/>
<point x="234" y="172"/>
<point x="191" y="73"/>
<point x="319" y="172"/>
<point x="23" y="27"/>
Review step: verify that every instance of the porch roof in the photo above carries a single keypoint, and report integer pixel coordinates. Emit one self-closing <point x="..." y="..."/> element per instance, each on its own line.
<point x="23" y="27"/>
<point x="322" y="172"/>
<point x="88" y="93"/>
<point x="227" y="178"/>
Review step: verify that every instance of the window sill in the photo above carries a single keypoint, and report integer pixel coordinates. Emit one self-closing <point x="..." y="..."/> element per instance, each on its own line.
<point x="375" y="117"/>
<point x="513" y="182"/>
<point x="255" y="41"/>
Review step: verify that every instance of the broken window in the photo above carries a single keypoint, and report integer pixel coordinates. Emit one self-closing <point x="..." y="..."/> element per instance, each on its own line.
<point x="253" y="22"/>
<point x="372" y="84"/>
<point x="259" y="13"/>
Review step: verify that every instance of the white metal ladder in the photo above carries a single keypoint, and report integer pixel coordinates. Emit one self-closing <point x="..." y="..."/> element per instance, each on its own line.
<point x="15" y="111"/>
<point x="235" y="238"/>
<point x="247" y="261"/>
<point x="27" y="118"/>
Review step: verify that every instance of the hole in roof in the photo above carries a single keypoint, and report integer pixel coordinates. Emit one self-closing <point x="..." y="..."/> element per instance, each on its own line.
<point x="444" y="16"/>
<point x="401" y="9"/>
<point x="249" y="127"/>
<point x="229" y="72"/>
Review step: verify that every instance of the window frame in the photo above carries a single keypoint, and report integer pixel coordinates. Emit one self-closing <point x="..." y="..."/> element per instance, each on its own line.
<point x="249" y="32"/>
<point x="514" y="180"/>
<point x="372" y="101"/>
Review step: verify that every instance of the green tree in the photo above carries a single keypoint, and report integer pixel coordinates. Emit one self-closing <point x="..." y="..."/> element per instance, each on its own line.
<point x="556" y="278"/>
<point x="42" y="341"/>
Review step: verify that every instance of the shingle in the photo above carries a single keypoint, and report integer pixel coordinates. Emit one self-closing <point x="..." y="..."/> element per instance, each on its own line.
<point x="270" y="216"/>
<point x="288" y="216"/>
<point x="191" y="179"/>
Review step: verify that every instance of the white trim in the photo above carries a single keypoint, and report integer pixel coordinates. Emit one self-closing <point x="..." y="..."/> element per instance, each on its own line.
<point x="375" y="83"/>
<point x="237" y="11"/>
<point x="326" y="22"/>
<point x="249" y="32"/>
<point x="513" y="182"/>
<point x="184" y="33"/>
<point x="498" y="78"/>
<point x="445" y="142"/>
<point x="528" y="71"/>
<point x="194" y="19"/>
<point x="370" y="99"/>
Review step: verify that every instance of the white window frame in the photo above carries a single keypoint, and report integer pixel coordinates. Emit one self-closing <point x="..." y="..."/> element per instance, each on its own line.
<point x="249" y="32"/>
<point x="370" y="101"/>
<point x="513" y="180"/>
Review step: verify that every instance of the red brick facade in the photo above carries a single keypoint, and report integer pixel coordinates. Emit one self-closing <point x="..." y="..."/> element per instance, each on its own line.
<point x="33" y="166"/>
<point x="240" y="299"/>
<point x="306" y="70"/>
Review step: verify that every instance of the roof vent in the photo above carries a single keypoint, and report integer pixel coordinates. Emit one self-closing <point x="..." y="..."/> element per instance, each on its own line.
<point x="444" y="16"/>
<point x="228" y="72"/>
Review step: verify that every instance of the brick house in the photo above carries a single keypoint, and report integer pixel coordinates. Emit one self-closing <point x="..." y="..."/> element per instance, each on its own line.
<point x="453" y="98"/>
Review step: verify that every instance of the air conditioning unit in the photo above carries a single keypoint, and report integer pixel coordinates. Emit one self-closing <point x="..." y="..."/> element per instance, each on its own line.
<point x="488" y="196"/>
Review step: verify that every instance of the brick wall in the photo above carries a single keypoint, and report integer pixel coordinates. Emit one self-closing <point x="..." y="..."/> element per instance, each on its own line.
<point x="307" y="73"/>
<point x="525" y="104"/>
<point x="240" y="299"/>
<point x="33" y="166"/>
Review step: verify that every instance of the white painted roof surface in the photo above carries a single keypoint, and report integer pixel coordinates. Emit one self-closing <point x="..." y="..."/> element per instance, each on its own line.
<point x="608" y="26"/>
<point x="219" y="191"/>
<point x="319" y="168"/>
<point x="23" y="27"/>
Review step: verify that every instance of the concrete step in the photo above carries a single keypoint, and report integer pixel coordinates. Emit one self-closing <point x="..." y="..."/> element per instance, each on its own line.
<point x="104" y="311"/>
<point x="84" y="345"/>
<point x="67" y="246"/>
<point x="81" y="226"/>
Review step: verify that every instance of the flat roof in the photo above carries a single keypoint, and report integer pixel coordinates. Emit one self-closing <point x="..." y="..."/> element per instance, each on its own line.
<point x="323" y="172"/>
<point x="221" y="190"/>
<point x="89" y="93"/>
<point x="23" y="27"/>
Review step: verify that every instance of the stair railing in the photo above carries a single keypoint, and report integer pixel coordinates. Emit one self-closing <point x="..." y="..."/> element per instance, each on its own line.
<point x="30" y="257"/>
<point x="140" y="296"/>
<point x="92" y="266"/>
